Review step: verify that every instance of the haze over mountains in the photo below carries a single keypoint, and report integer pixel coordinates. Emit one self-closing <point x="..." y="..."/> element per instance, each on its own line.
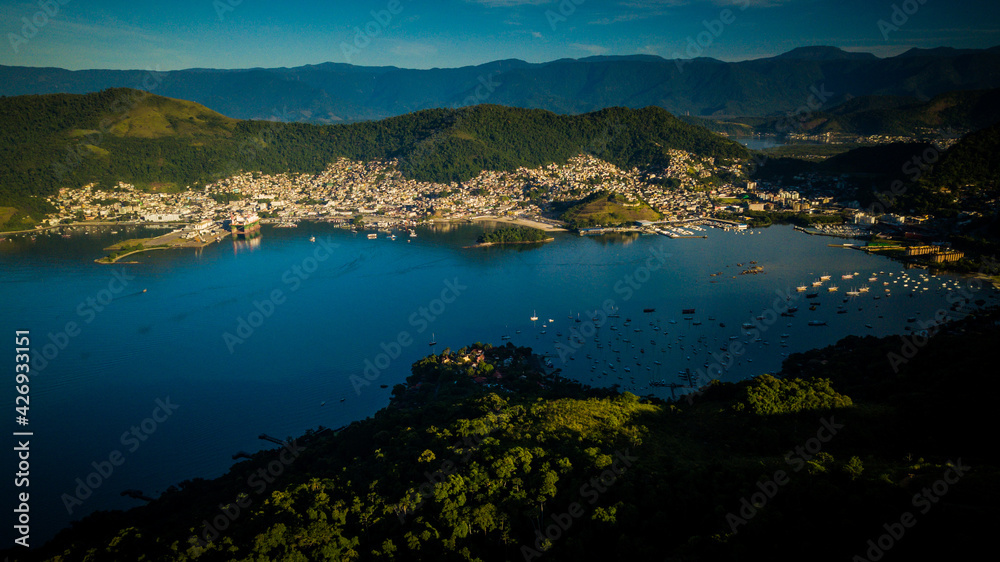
<point x="336" y="92"/>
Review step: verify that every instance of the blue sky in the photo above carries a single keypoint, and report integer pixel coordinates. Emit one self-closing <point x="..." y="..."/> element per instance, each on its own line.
<point x="448" y="33"/>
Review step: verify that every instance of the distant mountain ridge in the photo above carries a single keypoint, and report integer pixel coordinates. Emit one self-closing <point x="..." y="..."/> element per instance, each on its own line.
<point x="337" y="92"/>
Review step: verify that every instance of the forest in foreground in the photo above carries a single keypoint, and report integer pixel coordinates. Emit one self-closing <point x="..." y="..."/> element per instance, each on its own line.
<point x="868" y="449"/>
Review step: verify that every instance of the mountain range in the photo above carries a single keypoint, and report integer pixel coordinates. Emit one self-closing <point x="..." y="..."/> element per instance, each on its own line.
<point x="806" y="77"/>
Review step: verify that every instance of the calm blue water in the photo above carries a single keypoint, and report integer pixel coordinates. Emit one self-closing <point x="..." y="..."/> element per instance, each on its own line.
<point x="759" y="143"/>
<point x="340" y="307"/>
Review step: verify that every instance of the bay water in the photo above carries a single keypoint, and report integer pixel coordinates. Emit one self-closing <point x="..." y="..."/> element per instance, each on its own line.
<point x="181" y="359"/>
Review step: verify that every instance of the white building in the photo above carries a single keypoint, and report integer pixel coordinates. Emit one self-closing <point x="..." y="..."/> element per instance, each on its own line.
<point x="865" y="219"/>
<point x="165" y="217"/>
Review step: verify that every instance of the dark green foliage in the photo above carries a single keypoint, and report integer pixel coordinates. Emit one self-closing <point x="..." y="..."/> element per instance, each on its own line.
<point x="761" y="219"/>
<point x="468" y="466"/>
<point x="512" y="235"/>
<point x="767" y="395"/>
<point x="899" y="115"/>
<point x="607" y="209"/>
<point x="53" y="141"/>
<point x="971" y="166"/>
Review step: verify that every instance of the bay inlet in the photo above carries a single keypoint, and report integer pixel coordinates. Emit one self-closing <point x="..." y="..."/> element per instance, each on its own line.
<point x="281" y="334"/>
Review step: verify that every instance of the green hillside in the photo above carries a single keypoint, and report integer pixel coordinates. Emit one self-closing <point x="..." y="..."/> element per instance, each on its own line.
<point x="971" y="165"/>
<point x="51" y="141"/>
<point x="607" y="209"/>
<point x="964" y="177"/>
<point x="481" y="457"/>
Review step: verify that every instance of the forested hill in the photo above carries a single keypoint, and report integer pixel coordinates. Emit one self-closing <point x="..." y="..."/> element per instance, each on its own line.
<point x="126" y="135"/>
<point x="966" y="110"/>
<point x="972" y="163"/>
<point x="482" y="457"/>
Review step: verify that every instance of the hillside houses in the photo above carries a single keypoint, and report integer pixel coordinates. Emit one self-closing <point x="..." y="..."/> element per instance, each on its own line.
<point x="346" y="188"/>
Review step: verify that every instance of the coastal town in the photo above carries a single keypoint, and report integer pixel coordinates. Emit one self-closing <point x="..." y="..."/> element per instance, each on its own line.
<point x="378" y="192"/>
<point x="377" y="195"/>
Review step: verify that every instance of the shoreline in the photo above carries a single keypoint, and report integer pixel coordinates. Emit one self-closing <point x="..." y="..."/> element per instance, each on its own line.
<point x="518" y="221"/>
<point x="488" y="244"/>
<point x="106" y="261"/>
<point x="578" y="357"/>
<point x="994" y="281"/>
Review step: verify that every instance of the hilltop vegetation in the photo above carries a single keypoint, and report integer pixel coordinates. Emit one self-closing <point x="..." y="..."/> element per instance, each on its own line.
<point x="960" y="110"/>
<point x="52" y="141"/>
<point x="608" y="209"/>
<point x="513" y="235"/>
<point x="921" y="178"/>
<point x="971" y="164"/>
<point x="878" y="115"/>
<point x="481" y="457"/>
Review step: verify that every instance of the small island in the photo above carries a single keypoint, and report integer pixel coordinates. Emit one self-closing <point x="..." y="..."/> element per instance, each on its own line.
<point x="512" y="235"/>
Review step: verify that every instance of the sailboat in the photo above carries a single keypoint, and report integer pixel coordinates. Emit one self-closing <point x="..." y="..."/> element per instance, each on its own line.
<point x="534" y="316"/>
<point x="433" y="341"/>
